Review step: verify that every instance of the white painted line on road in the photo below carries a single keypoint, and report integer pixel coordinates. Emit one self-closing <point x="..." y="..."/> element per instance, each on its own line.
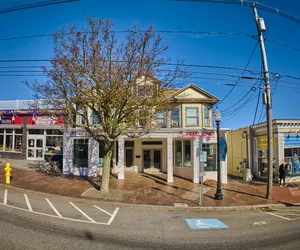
<point x="282" y="217"/>
<point x="28" y="203"/>
<point x="113" y="216"/>
<point x="54" y="209"/>
<point x="53" y="216"/>
<point x="104" y="211"/>
<point x="83" y="213"/>
<point x="5" y="197"/>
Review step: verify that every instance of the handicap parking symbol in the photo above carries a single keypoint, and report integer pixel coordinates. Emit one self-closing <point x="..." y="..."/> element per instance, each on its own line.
<point x="205" y="223"/>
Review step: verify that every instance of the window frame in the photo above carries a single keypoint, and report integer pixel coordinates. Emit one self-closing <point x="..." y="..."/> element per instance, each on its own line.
<point x="179" y="114"/>
<point x="186" y="117"/>
<point x="164" y="118"/>
<point x="183" y="150"/>
<point x="206" y="117"/>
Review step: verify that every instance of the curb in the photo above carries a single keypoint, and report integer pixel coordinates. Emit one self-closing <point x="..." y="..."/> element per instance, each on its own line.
<point x="156" y="207"/>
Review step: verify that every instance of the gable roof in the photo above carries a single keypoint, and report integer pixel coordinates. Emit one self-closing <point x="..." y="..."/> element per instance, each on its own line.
<point x="210" y="98"/>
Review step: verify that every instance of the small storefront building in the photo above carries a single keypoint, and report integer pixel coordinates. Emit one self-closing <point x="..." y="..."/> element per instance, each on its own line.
<point x="250" y="143"/>
<point x="176" y="153"/>
<point x="30" y="134"/>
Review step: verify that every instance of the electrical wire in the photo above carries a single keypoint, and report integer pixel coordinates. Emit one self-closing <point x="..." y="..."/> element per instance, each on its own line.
<point x="35" y="5"/>
<point x="249" y="60"/>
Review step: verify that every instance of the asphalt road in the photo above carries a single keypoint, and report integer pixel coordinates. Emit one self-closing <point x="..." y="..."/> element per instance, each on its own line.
<point x="30" y="222"/>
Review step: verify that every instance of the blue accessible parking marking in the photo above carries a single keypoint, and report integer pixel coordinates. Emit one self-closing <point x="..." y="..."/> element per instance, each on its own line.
<point x="205" y="223"/>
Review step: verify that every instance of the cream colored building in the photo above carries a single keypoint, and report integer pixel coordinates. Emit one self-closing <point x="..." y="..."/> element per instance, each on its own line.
<point x="174" y="148"/>
<point x="250" y="143"/>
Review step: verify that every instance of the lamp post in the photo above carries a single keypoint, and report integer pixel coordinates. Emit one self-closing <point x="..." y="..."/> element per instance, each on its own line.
<point x="217" y="116"/>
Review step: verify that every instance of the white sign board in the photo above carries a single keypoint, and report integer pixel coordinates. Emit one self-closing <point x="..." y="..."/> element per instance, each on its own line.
<point x="203" y="156"/>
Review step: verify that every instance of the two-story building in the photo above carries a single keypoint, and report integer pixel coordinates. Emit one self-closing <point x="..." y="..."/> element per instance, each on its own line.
<point x="174" y="148"/>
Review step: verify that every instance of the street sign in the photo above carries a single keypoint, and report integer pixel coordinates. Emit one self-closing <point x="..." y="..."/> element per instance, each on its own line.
<point x="202" y="174"/>
<point x="203" y="156"/>
<point x="205" y="223"/>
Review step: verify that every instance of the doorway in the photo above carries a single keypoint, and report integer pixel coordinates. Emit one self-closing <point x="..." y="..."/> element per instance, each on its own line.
<point x="152" y="159"/>
<point x="128" y="157"/>
<point x="80" y="151"/>
<point x="35" y="147"/>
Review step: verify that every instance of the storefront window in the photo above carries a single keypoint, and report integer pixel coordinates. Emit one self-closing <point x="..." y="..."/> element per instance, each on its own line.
<point x="54" y="145"/>
<point x="211" y="150"/>
<point x="262" y="163"/>
<point x="9" y="143"/>
<point x="18" y="143"/>
<point x="1" y="141"/>
<point x="54" y="132"/>
<point x="178" y="153"/>
<point x="291" y="156"/>
<point x="182" y="151"/>
<point x="36" y="131"/>
<point x="187" y="153"/>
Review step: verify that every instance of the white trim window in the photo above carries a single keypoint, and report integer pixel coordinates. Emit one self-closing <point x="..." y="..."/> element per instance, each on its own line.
<point x="206" y="116"/>
<point x="161" y="118"/>
<point x="192" y="117"/>
<point x="175" y="117"/>
<point x="182" y="153"/>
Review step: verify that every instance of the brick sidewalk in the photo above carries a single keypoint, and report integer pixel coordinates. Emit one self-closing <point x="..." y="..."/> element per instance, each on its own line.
<point x="142" y="188"/>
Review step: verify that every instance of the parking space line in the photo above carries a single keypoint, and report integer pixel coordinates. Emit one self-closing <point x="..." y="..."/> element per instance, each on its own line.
<point x="113" y="216"/>
<point x="53" y="216"/>
<point x="28" y="203"/>
<point x="53" y="208"/>
<point x="282" y="217"/>
<point x="5" y="197"/>
<point x="103" y="210"/>
<point x="83" y="213"/>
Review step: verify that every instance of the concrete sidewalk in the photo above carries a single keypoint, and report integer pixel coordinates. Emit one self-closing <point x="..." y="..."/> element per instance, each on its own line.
<point x="153" y="189"/>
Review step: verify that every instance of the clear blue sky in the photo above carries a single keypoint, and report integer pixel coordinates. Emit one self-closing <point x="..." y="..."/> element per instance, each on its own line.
<point x="218" y="50"/>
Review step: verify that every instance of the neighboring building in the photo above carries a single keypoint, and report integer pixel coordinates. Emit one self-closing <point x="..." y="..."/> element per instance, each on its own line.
<point x="27" y="133"/>
<point x="173" y="148"/>
<point x="250" y="143"/>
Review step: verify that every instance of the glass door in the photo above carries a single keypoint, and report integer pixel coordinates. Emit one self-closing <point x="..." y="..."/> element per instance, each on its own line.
<point x="156" y="159"/>
<point x="35" y="148"/>
<point x="147" y="158"/>
<point x="128" y="157"/>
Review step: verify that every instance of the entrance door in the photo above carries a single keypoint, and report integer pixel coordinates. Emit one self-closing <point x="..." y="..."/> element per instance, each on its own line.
<point x="147" y="158"/>
<point x="156" y="159"/>
<point x="128" y="157"/>
<point x="152" y="159"/>
<point x="81" y="152"/>
<point x="35" y="148"/>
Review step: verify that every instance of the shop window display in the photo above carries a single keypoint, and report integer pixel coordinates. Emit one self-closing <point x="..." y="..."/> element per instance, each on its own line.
<point x="211" y="150"/>
<point x="182" y="153"/>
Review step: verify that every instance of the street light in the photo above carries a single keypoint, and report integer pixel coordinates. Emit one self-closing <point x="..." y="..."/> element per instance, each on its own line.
<point x="217" y="116"/>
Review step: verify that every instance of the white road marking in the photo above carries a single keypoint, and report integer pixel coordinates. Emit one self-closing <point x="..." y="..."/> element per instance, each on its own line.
<point x="260" y="223"/>
<point x="282" y="217"/>
<point x="113" y="216"/>
<point x="5" y="197"/>
<point x="28" y="203"/>
<point x="54" y="209"/>
<point x="104" y="211"/>
<point x="83" y="213"/>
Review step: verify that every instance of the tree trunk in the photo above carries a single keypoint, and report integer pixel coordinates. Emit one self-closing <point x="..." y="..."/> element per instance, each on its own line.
<point x="106" y="172"/>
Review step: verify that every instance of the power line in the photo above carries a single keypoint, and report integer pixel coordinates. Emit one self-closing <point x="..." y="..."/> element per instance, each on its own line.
<point x="35" y="5"/>
<point x="249" y="4"/>
<point x="252" y="53"/>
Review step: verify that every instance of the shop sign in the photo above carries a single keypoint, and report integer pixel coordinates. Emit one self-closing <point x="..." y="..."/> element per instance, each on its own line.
<point x="223" y="148"/>
<point x="291" y="140"/>
<point x="195" y="134"/>
<point x="6" y="121"/>
<point x="262" y="142"/>
<point x="78" y="133"/>
<point x="44" y="120"/>
<point x="203" y="156"/>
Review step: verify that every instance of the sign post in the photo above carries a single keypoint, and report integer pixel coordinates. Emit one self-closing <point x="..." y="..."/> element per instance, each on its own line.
<point x="203" y="158"/>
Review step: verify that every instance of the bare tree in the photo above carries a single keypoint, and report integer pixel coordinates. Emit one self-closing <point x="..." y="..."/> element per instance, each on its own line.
<point x="119" y="79"/>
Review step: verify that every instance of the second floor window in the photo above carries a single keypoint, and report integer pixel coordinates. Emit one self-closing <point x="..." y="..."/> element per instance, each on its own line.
<point x="206" y="117"/>
<point x="175" y="118"/>
<point x="161" y="118"/>
<point x="192" y="117"/>
<point x="95" y="119"/>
